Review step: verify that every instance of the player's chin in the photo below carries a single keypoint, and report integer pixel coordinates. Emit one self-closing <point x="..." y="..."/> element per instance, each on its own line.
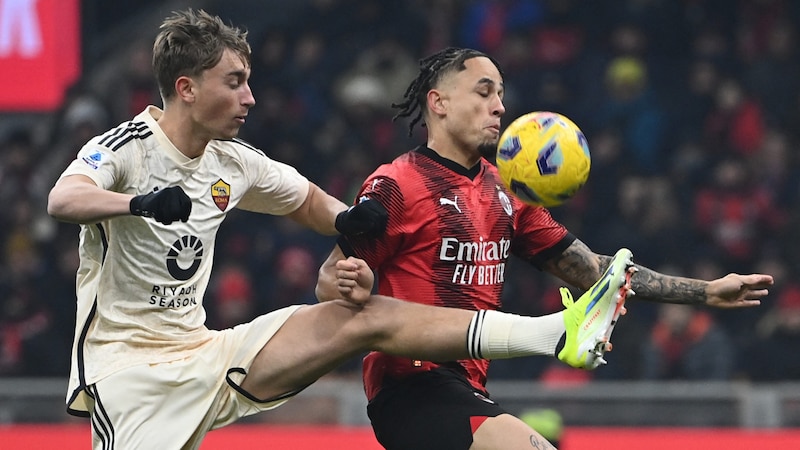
<point x="229" y="133"/>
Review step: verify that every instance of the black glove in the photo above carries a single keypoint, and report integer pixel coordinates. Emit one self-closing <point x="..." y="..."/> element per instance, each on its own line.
<point x="166" y="206"/>
<point x="368" y="218"/>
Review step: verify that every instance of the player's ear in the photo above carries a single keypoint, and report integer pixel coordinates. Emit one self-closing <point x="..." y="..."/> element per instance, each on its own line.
<point x="436" y="102"/>
<point x="184" y="87"/>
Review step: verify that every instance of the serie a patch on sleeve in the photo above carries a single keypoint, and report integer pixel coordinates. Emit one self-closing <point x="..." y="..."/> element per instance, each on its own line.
<point x="93" y="158"/>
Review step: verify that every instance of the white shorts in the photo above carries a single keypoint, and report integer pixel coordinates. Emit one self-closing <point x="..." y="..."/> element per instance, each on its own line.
<point x="173" y="405"/>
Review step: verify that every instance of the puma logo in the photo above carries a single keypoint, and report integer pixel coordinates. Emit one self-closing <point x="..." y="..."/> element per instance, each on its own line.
<point x="447" y="201"/>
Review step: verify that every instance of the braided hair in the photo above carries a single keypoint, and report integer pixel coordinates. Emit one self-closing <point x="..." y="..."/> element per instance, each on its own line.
<point x="431" y="70"/>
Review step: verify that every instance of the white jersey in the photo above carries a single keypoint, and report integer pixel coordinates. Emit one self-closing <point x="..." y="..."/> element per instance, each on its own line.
<point x="140" y="283"/>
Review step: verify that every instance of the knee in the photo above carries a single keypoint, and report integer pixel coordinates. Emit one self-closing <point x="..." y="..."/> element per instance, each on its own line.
<point x="371" y="321"/>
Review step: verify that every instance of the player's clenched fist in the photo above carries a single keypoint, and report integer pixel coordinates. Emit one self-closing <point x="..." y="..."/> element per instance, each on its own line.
<point x="165" y="205"/>
<point x="354" y="279"/>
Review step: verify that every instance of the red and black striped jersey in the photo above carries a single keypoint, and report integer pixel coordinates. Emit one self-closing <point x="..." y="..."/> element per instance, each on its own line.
<point x="450" y="233"/>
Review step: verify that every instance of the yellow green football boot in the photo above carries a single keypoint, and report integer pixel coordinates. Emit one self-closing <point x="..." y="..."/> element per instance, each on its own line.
<point x="590" y="320"/>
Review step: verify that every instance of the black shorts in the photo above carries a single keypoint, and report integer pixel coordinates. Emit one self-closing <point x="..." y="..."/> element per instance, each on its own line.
<point x="431" y="410"/>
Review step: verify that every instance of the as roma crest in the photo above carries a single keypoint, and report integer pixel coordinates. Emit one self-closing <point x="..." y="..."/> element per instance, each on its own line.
<point x="221" y="193"/>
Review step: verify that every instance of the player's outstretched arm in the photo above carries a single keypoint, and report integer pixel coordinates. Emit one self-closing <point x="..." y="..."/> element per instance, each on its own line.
<point x="730" y="291"/>
<point x="581" y="267"/>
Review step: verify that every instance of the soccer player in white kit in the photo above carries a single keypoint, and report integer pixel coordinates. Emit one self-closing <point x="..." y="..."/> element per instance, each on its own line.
<point x="150" y="195"/>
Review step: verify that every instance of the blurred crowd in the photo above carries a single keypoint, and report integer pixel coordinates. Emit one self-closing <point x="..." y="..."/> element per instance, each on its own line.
<point x="691" y="109"/>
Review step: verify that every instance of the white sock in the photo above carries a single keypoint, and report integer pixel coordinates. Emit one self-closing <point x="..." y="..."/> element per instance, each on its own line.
<point x="498" y="335"/>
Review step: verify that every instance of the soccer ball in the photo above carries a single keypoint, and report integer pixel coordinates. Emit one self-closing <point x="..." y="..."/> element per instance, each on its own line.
<point x="543" y="158"/>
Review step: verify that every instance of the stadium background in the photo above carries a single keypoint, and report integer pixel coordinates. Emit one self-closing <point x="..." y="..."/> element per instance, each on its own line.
<point x="691" y="109"/>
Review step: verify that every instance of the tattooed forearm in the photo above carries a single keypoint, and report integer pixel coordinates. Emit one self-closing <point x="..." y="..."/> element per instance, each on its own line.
<point x="651" y="285"/>
<point x="581" y="267"/>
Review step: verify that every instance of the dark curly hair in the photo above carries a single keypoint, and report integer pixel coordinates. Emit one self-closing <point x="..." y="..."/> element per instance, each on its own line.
<point x="431" y="70"/>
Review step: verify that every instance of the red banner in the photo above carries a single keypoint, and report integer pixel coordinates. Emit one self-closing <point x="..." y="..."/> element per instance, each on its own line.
<point x="40" y="52"/>
<point x="78" y="437"/>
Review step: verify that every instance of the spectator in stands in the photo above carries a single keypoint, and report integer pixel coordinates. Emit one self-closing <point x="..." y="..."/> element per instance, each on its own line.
<point x="770" y="353"/>
<point x="631" y="107"/>
<point x="735" y="125"/>
<point x="732" y="214"/>
<point x="686" y="344"/>
<point x="232" y="297"/>
<point x="485" y="23"/>
<point x="296" y="275"/>
<point x="693" y="101"/>
<point x="775" y="69"/>
<point x="29" y="342"/>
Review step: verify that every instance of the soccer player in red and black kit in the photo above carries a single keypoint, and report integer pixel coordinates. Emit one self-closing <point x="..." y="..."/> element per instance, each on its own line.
<point x="451" y="229"/>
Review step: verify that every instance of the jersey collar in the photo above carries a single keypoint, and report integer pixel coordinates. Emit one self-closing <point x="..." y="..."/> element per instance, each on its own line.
<point x="470" y="173"/>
